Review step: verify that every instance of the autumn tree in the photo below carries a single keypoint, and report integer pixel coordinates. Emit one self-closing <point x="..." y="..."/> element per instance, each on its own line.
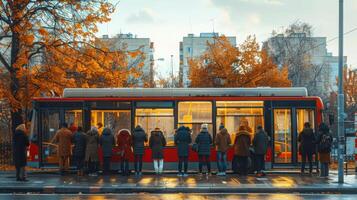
<point x="46" y="46"/>
<point x="224" y="65"/>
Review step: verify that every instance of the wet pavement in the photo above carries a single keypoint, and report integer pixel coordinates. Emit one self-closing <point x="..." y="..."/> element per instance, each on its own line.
<point x="170" y="183"/>
<point x="182" y="196"/>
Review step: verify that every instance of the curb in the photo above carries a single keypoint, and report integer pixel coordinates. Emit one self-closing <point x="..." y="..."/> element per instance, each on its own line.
<point x="340" y="189"/>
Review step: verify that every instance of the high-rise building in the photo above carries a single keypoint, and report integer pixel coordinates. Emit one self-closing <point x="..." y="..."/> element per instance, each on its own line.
<point x="193" y="47"/>
<point x="309" y="63"/>
<point x="131" y="43"/>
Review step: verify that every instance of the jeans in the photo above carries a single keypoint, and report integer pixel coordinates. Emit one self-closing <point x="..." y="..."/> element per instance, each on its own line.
<point x="79" y="161"/>
<point x="183" y="160"/>
<point x="106" y="164"/>
<point x="305" y="155"/>
<point x="221" y="161"/>
<point x="324" y="169"/>
<point x="124" y="166"/>
<point x="92" y="167"/>
<point x="138" y="162"/>
<point x="259" y="162"/>
<point x="158" y="165"/>
<point x="20" y="173"/>
<point x="204" y="160"/>
<point x="242" y="165"/>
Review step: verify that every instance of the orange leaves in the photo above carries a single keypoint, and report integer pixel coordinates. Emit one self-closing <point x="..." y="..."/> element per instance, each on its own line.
<point x="42" y="32"/>
<point x="224" y="65"/>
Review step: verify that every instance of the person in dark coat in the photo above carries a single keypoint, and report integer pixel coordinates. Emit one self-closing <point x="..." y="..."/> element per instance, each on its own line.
<point x="139" y="138"/>
<point x="204" y="141"/>
<point x="157" y="142"/>
<point x="124" y="141"/>
<point x="91" y="156"/>
<point x="20" y="143"/>
<point x="182" y="141"/>
<point x="223" y="140"/>
<point x="107" y="142"/>
<point x="260" y="145"/>
<point x="79" y="149"/>
<point x="241" y="149"/>
<point x="307" y="146"/>
<point x="324" y="143"/>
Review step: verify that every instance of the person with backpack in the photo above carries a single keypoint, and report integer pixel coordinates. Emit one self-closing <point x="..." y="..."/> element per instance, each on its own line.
<point x="324" y="145"/>
<point x="222" y="142"/>
<point x="241" y="150"/>
<point x="139" y="138"/>
<point x="203" y="142"/>
<point x="307" y="146"/>
<point x="260" y="145"/>
<point x="107" y="142"/>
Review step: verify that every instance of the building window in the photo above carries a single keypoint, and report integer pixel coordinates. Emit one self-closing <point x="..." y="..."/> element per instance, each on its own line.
<point x="232" y="114"/>
<point x="195" y="113"/>
<point x="151" y="118"/>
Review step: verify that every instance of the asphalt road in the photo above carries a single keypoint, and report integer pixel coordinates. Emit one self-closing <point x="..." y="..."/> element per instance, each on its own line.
<point x="178" y="196"/>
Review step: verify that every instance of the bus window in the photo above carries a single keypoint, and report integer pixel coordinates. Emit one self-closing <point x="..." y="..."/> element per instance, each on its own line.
<point x="232" y="114"/>
<point x="195" y="113"/>
<point x="151" y="118"/>
<point x="113" y="119"/>
<point x="73" y="118"/>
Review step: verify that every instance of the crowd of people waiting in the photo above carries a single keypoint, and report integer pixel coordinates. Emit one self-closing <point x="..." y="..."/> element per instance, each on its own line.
<point x="73" y="141"/>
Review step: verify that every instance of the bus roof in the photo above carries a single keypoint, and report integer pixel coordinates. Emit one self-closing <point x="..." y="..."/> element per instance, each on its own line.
<point x="183" y="92"/>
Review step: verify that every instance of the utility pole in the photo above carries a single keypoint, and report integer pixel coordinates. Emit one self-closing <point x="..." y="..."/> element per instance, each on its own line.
<point x="340" y="100"/>
<point x="172" y="71"/>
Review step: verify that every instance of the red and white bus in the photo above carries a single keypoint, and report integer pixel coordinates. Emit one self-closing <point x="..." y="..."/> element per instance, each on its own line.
<point x="281" y="111"/>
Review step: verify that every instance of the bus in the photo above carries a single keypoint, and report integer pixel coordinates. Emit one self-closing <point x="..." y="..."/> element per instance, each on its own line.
<point x="281" y="111"/>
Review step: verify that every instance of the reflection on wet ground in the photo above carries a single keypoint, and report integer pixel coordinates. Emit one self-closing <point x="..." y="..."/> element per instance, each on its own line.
<point x="181" y="197"/>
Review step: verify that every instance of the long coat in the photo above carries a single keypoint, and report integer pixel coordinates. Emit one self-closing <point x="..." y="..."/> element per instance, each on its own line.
<point x="92" y="144"/>
<point x="79" y="141"/>
<point x="242" y="144"/>
<point x="325" y="156"/>
<point x="204" y="141"/>
<point x="64" y="139"/>
<point x="157" y="142"/>
<point x="307" y="141"/>
<point x="107" y="142"/>
<point x="124" y="142"/>
<point x="260" y="142"/>
<point x="139" y="138"/>
<point x="20" y="143"/>
<point x="182" y="141"/>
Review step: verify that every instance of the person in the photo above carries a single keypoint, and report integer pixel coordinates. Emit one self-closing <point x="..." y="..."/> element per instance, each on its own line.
<point x="223" y="140"/>
<point x="73" y="128"/>
<point x="139" y="138"/>
<point x="324" y="145"/>
<point x="307" y="146"/>
<point x="20" y="143"/>
<point x="107" y="142"/>
<point x="204" y="141"/>
<point x="241" y="149"/>
<point x="221" y="126"/>
<point x="64" y="139"/>
<point x="100" y="128"/>
<point x="260" y="146"/>
<point x="91" y="156"/>
<point x="124" y="142"/>
<point x="182" y="140"/>
<point x="79" y="149"/>
<point x="157" y="142"/>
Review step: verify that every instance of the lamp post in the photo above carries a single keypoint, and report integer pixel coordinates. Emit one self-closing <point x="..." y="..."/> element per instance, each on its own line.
<point x="172" y="71"/>
<point x="340" y="99"/>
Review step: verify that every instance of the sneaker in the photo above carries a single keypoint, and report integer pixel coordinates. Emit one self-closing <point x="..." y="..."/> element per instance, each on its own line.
<point x="179" y="174"/>
<point x="185" y="175"/>
<point x="219" y="174"/>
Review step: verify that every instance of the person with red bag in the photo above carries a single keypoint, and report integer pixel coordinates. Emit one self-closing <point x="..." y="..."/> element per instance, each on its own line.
<point x="124" y="142"/>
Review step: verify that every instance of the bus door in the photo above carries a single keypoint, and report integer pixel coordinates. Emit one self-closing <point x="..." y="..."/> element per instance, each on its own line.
<point x="50" y="123"/>
<point x="288" y="124"/>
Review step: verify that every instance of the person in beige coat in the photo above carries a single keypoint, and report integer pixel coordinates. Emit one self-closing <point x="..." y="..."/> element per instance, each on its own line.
<point x="64" y="139"/>
<point x="91" y="157"/>
<point x="223" y="140"/>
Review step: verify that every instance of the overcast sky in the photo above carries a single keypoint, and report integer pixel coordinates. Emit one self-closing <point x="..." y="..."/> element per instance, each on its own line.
<point x="165" y="22"/>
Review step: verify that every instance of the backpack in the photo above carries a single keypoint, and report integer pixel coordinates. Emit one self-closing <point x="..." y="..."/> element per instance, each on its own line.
<point x="325" y="144"/>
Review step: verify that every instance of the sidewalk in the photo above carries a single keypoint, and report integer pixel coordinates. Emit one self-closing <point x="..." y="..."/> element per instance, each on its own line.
<point x="170" y="183"/>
